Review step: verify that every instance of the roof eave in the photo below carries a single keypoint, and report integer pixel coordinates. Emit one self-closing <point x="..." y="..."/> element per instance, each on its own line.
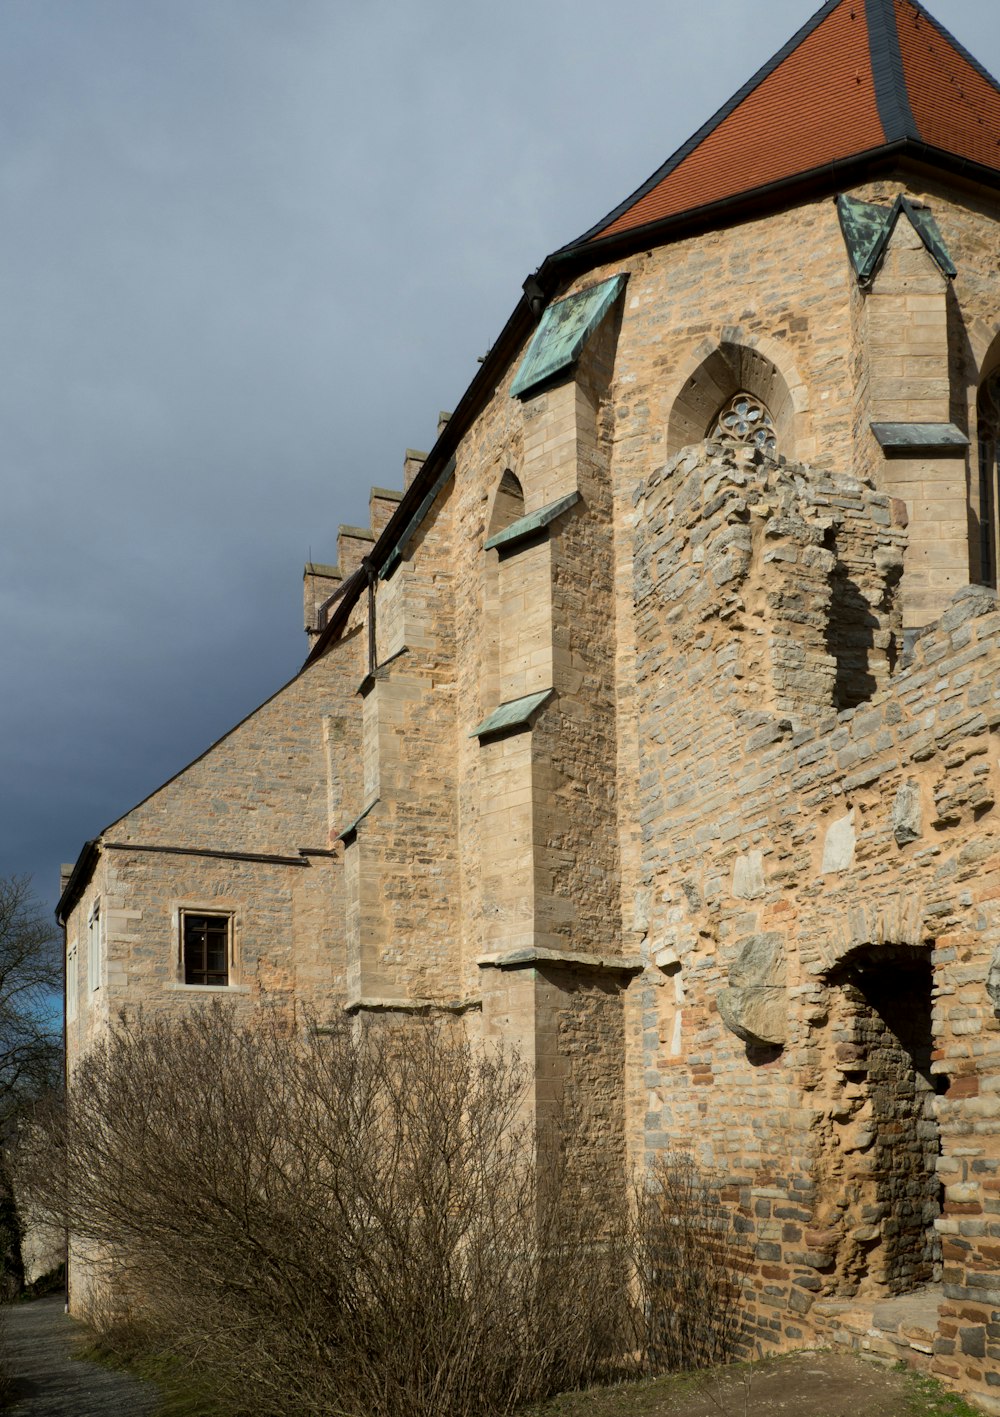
<point x="520" y="324"/>
<point x="761" y="201"/>
<point x="79" y="877"/>
<point x="569" y="262"/>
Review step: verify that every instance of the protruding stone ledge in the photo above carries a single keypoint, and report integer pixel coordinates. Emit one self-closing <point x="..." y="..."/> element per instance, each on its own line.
<point x="536" y="956"/>
<point x="920" y="437"/>
<point x="207" y="988"/>
<point x="367" y="1003"/>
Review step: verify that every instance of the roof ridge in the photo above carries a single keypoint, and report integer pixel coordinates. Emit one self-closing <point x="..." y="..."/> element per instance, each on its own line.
<point x="891" y="94"/>
<point x="721" y="114"/>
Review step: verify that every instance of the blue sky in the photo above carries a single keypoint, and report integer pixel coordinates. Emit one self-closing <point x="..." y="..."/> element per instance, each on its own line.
<point x="248" y="250"/>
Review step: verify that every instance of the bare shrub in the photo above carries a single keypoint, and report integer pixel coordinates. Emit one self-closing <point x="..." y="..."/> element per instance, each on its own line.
<point x="340" y="1223"/>
<point x="691" y="1264"/>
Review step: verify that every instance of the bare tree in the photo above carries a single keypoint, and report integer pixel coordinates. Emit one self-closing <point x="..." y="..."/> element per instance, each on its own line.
<point x="30" y="980"/>
<point x="30" y="1042"/>
<point x="351" y="1221"/>
<point x="692" y="1260"/>
<point x="341" y="1222"/>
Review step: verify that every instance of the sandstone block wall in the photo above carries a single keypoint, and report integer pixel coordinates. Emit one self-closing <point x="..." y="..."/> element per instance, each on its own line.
<point x="744" y="802"/>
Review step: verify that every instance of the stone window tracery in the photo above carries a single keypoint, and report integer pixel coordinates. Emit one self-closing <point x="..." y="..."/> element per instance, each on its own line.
<point x="745" y="419"/>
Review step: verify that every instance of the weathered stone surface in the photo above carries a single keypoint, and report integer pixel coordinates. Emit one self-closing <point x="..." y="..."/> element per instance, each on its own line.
<point x="722" y="634"/>
<point x="838" y="845"/>
<point x="748" y="876"/>
<point x="761" y="960"/>
<point x="758" y="1014"/>
<point x="906" y="813"/>
<point x="993" y="980"/>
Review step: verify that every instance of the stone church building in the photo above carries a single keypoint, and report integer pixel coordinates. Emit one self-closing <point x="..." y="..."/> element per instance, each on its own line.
<point x="654" y="726"/>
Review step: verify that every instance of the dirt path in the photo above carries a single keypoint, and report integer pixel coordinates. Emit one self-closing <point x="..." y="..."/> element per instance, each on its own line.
<point x="806" y="1384"/>
<point x="48" y="1382"/>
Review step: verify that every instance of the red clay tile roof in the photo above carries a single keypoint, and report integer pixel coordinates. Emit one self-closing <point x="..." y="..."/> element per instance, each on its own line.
<point x="955" y="103"/>
<point x="860" y="76"/>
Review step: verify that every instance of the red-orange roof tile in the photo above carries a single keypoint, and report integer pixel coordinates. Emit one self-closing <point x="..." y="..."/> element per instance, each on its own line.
<point x="956" y="106"/>
<point x="860" y="76"/>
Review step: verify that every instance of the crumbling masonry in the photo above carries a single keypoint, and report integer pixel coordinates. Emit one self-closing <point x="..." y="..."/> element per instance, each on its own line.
<point x="653" y="728"/>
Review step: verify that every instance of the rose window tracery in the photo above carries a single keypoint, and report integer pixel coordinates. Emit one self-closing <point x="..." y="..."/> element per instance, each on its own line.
<point x="745" y="419"/>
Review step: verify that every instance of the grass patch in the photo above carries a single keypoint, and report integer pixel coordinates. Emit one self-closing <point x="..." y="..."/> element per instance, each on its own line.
<point x="929" y="1399"/>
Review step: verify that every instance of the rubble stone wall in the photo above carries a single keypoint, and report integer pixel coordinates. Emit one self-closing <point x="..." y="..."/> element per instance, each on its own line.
<point x="785" y="841"/>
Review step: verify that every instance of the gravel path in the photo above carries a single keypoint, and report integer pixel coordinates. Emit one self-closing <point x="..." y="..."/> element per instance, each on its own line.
<point x="48" y="1382"/>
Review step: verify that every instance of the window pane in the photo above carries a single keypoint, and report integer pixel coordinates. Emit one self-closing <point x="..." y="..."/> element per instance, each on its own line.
<point x="206" y="949"/>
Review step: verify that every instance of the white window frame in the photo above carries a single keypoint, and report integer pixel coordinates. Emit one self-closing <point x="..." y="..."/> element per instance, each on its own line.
<point x="94" y="945"/>
<point x="72" y="981"/>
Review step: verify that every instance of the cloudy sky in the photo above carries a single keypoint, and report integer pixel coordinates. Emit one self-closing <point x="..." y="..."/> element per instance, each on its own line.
<point x="248" y="249"/>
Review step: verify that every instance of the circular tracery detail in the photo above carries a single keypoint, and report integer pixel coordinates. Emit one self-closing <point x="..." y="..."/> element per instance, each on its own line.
<point x="745" y="419"/>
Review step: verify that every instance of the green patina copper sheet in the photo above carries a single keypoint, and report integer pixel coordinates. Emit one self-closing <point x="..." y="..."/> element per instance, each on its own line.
<point x="868" y="227"/>
<point x="865" y="227"/>
<point x="516" y="714"/>
<point x="919" y="435"/>
<point x="535" y="521"/>
<point x="930" y="234"/>
<point x="350" y="831"/>
<point x="562" y="333"/>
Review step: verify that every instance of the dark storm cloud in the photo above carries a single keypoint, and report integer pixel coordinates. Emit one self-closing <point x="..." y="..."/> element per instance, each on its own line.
<point x="248" y="249"/>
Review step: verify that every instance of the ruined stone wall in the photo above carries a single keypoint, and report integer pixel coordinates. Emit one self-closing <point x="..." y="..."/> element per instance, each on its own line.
<point x="781" y="840"/>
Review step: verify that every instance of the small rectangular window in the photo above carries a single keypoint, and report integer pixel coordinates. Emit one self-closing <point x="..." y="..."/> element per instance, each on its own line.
<point x="205" y="948"/>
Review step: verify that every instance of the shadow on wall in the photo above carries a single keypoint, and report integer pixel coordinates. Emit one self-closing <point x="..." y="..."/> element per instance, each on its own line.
<point x="726" y="371"/>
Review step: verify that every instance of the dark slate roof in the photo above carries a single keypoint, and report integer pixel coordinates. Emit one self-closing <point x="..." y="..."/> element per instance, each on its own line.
<point x="861" y="76"/>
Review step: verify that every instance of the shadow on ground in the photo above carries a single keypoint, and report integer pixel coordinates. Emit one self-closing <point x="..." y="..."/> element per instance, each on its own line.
<point x="49" y="1382"/>
<point x="807" y="1384"/>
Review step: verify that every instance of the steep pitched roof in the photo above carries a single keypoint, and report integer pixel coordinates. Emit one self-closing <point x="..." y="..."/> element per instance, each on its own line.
<point x="862" y="76"/>
<point x="863" y="80"/>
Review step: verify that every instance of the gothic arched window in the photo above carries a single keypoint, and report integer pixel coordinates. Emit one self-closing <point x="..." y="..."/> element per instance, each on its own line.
<point x="989" y="460"/>
<point x="745" y="419"/>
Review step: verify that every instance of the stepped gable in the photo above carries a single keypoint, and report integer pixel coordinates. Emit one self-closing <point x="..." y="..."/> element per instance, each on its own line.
<point x="861" y="79"/>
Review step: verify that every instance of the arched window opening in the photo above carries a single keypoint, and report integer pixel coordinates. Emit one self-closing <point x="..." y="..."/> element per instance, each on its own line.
<point x="735" y="393"/>
<point x="508" y="507"/>
<point x="747" y="420"/>
<point x="508" y="504"/>
<point x="988" y="420"/>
